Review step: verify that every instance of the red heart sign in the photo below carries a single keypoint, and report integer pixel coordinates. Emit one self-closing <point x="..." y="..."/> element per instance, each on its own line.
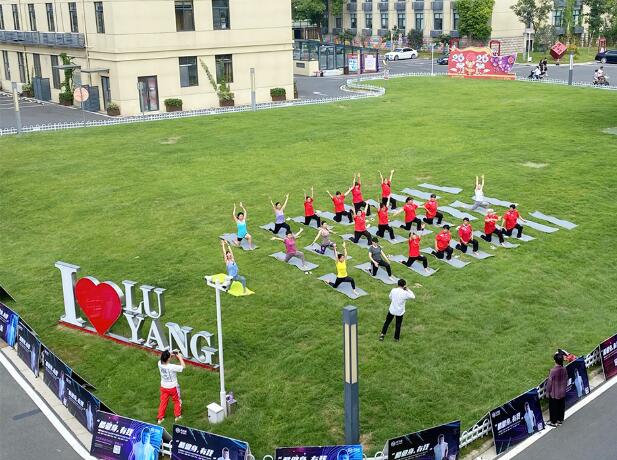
<point x="100" y="302"/>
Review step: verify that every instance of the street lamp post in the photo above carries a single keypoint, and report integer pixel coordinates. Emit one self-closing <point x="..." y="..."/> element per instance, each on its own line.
<point x="16" y="104"/>
<point x="432" y="59"/>
<point x="571" y="69"/>
<point x="350" y="374"/>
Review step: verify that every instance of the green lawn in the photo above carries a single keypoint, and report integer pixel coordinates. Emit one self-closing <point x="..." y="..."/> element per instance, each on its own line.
<point x="129" y="203"/>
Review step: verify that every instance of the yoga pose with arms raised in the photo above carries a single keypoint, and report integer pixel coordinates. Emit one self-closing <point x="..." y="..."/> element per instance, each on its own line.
<point x="279" y="213"/>
<point x="240" y="220"/>
<point x="341" y="270"/>
<point x="231" y="265"/>
<point x="386" y="190"/>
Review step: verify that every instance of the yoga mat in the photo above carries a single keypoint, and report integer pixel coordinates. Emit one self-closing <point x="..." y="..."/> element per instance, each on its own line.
<point x="554" y="220"/>
<point x="381" y="275"/>
<point x="397" y="239"/>
<point x="344" y="288"/>
<point x="414" y="228"/>
<point x="295" y="262"/>
<point x="330" y="216"/>
<point x="418" y="193"/>
<point x="456" y="213"/>
<point x="236" y="287"/>
<point x="495" y="241"/>
<point x="461" y="205"/>
<point x="399" y="198"/>
<point x="456" y="263"/>
<point x="244" y="244"/>
<point x="300" y="220"/>
<point x="269" y="227"/>
<point x="523" y="237"/>
<point x="416" y="266"/>
<point x="363" y="243"/>
<point x="443" y="222"/>
<point x="453" y="190"/>
<point x="538" y="226"/>
<point x="498" y="202"/>
<point x="377" y="204"/>
<point x="480" y="254"/>
<point x="329" y="252"/>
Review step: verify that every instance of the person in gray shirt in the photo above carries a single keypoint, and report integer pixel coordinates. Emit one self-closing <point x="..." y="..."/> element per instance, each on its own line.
<point x="378" y="258"/>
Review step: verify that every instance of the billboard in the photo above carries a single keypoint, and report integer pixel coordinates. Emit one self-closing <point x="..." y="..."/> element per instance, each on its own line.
<point x="189" y="443"/>
<point x="8" y="325"/>
<point x="608" y="352"/>
<point x="28" y="347"/>
<point x="480" y="63"/>
<point x="346" y="452"/>
<point x="578" y="382"/>
<point x="54" y="371"/>
<point x="437" y="443"/>
<point x="80" y="402"/>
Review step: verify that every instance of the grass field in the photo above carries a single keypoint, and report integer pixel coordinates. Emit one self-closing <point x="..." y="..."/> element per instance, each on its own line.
<point x="147" y="202"/>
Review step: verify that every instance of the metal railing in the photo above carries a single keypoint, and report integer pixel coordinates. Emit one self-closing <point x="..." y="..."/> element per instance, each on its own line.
<point x="54" y="39"/>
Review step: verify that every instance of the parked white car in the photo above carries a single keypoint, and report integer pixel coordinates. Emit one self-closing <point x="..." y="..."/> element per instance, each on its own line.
<point x="401" y="53"/>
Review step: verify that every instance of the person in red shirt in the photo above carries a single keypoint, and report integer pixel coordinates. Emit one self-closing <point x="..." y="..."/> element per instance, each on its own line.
<point x="510" y="222"/>
<point x="465" y="234"/>
<point x="356" y="195"/>
<point x="309" y="209"/>
<point x="384" y="223"/>
<point x="442" y="244"/>
<point x="409" y="208"/>
<point x="386" y="190"/>
<point x="431" y="211"/>
<point x="339" y="206"/>
<point x="414" y="251"/>
<point x="360" y="226"/>
<point x="490" y="227"/>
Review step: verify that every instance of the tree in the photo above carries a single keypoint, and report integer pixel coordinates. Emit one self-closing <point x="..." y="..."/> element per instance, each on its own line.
<point x="474" y="18"/>
<point x="533" y="12"/>
<point x="309" y="10"/>
<point x="568" y="20"/>
<point x="336" y="7"/>
<point x="594" y="17"/>
<point x="415" y="38"/>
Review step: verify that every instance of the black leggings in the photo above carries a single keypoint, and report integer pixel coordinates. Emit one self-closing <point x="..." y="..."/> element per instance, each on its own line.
<point x="277" y="227"/>
<point x="358" y="206"/>
<point x="357" y="236"/>
<point x="448" y="253"/>
<point x="438" y="216"/>
<point x="382" y="229"/>
<point x="347" y="279"/>
<point x="386" y="324"/>
<point x="519" y="229"/>
<point x="463" y="247"/>
<point x="488" y="236"/>
<point x="556" y="409"/>
<point x="422" y="259"/>
<point x="339" y="216"/>
<point x="385" y="199"/>
<point x="307" y="220"/>
<point x="323" y="247"/>
<point x="416" y="221"/>
<point x="381" y="263"/>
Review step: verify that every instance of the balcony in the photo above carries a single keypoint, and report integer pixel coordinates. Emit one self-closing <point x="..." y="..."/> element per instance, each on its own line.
<point x="418" y="6"/>
<point x="52" y="39"/>
<point x="560" y="30"/>
<point x="400" y="6"/>
<point x="559" y="4"/>
<point x="437" y="6"/>
<point x="367" y="32"/>
<point x="367" y="6"/>
<point x="337" y="31"/>
<point x="436" y="33"/>
<point x="384" y="6"/>
<point x="579" y="30"/>
<point x="383" y="33"/>
<point x="353" y="31"/>
<point x="455" y="34"/>
<point x="352" y="6"/>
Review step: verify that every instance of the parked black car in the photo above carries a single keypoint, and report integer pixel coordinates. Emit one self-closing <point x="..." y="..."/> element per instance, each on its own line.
<point x="443" y="60"/>
<point x="608" y="57"/>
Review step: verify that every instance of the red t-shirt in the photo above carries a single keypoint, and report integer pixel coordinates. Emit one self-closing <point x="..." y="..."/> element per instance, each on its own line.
<point x="431" y="209"/>
<point x="465" y="232"/>
<point x="410" y="211"/>
<point x="489" y="223"/>
<point x="356" y="194"/>
<point x="339" y="203"/>
<point x="360" y="222"/>
<point x="308" y="207"/>
<point x="386" y="188"/>
<point x="414" y="247"/>
<point x="511" y="217"/>
<point x="383" y="217"/>
<point x="443" y="240"/>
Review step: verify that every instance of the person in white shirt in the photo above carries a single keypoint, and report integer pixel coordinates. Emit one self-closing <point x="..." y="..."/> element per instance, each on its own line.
<point x="478" y="194"/>
<point x="398" y="296"/>
<point x="441" y="448"/>
<point x="169" y="385"/>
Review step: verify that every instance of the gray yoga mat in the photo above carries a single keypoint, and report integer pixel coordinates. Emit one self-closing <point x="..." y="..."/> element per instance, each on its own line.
<point x="461" y="205"/>
<point x="300" y="220"/>
<point x="416" y="266"/>
<point x="330" y="216"/>
<point x="456" y="263"/>
<point x="554" y="220"/>
<point x="538" y="226"/>
<point x="480" y="254"/>
<point x="414" y="228"/>
<point x="295" y="262"/>
<point x="313" y="248"/>
<point x="400" y="198"/>
<point x="495" y="241"/>
<point x="397" y="239"/>
<point x="523" y="237"/>
<point x="453" y="190"/>
<point x="344" y="288"/>
<point x="456" y="213"/>
<point x="381" y="275"/>
<point x="269" y="227"/>
<point x="244" y="244"/>
<point x="435" y="224"/>
<point x="363" y="243"/>
<point x="498" y="202"/>
<point x="418" y="193"/>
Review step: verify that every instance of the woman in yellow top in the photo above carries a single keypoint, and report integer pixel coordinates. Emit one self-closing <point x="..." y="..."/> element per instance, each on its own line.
<point x="341" y="270"/>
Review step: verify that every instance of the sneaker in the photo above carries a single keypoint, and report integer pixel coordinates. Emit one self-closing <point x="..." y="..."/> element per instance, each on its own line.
<point x="381" y="337"/>
<point x="158" y="422"/>
<point x="178" y="418"/>
<point x="397" y="340"/>
<point x="559" y="423"/>
<point x="551" y="424"/>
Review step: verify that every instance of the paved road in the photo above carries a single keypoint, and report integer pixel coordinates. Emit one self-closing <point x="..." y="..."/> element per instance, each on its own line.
<point x="25" y="433"/>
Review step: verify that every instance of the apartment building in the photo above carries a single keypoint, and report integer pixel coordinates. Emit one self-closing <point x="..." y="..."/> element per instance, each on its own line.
<point x="137" y="53"/>
<point x="372" y="18"/>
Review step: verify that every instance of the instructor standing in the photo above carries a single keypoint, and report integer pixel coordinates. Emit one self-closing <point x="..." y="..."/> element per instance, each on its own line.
<point x="398" y="297"/>
<point x="556" y="389"/>
<point x="169" y="385"/>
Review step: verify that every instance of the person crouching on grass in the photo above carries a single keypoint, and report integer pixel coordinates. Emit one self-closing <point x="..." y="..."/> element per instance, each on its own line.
<point x="169" y="385"/>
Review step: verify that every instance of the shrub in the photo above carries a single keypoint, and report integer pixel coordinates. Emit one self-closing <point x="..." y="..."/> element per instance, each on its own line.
<point x="66" y="98"/>
<point x="113" y="106"/>
<point x="278" y="92"/>
<point x="173" y="102"/>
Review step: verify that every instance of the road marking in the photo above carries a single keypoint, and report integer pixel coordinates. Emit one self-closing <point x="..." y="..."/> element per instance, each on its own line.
<point x="51" y="416"/>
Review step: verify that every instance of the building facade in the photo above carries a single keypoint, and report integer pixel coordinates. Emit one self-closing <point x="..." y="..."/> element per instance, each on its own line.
<point x="137" y="53"/>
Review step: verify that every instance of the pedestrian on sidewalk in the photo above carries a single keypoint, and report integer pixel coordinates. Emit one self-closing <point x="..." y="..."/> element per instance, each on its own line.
<point x="169" y="385"/>
<point x="398" y="296"/>
<point x="556" y="390"/>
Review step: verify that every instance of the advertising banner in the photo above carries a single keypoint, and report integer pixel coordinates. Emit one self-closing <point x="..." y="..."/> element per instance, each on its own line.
<point x="480" y="63"/>
<point x="80" y="402"/>
<point x="370" y="63"/>
<point x="516" y="420"/>
<point x="352" y="62"/>
<point x="350" y="452"/>
<point x="578" y="382"/>
<point x="8" y="325"/>
<point x="608" y="351"/>
<point x="121" y="438"/>
<point x="438" y="443"/>
<point x="189" y="443"/>
<point x="28" y="347"/>
<point x="54" y="371"/>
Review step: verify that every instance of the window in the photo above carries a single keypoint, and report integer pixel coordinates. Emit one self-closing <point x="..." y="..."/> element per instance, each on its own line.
<point x="55" y="72"/>
<point x="32" y="16"/>
<point x="338" y="22"/>
<point x="437" y="21"/>
<point x="224" y="68"/>
<point x="1" y="18"/>
<point x="184" y="15"/>
<point x="99" y="17"/>
<point x="7" y="66"/>
<point x="220" y="14"/>
<point x="73" y="17"/>
<point x="148" y="93"/>
<point x="51" y="22"/>
<point x="22" y="67"/>
<point x="353" y="20"/>
<point x="37" y="65"/>
<point x="419" y="21"/>
<point x="188" y="71"/>
<point x="15" y="16"/>
<point x="400" y="23"/>
<point x="384" y="20"/>
<point x="557" y="18"/>
<point x="455" y="19"/>
<point x="368" y="20"/>
<point x="576" y="17"/>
